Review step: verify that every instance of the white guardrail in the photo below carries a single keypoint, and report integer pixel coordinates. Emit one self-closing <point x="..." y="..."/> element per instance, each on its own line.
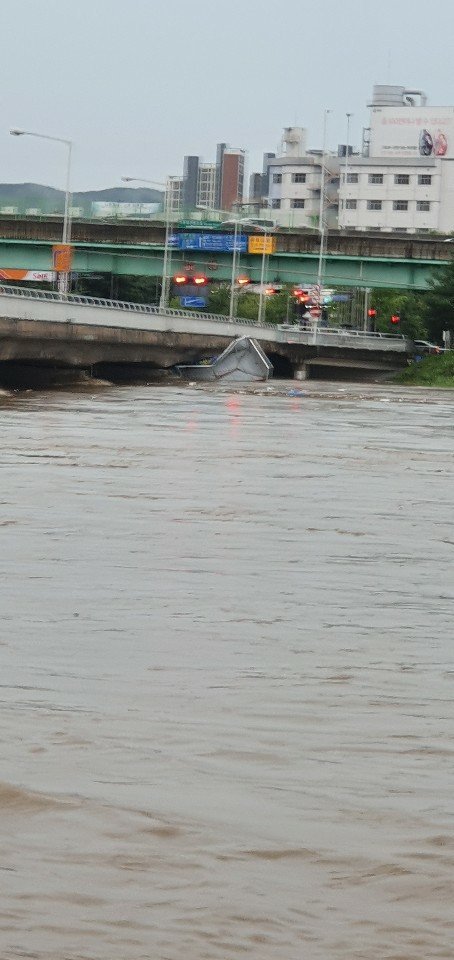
<point x="342" y="331"/>
<point x="81" y="300"/>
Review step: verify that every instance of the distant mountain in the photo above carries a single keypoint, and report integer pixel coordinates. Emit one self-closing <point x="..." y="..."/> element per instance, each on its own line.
<point x="121" y="195"/>
<point x="38" y="197"/>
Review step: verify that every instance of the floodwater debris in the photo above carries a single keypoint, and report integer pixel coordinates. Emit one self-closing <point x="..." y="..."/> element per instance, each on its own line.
<point x="243" y="360"/>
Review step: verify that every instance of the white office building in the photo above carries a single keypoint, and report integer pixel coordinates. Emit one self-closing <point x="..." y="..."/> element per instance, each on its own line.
<point x="403" y="181"/>
<point x="295" y="182"/>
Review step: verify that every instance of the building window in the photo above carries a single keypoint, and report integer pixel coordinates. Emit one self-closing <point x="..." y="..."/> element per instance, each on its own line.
<point x="400" y="230"/>
<point x="423" y="205"/>
<point x="400" y="205"/>
<point x="424" y="179"/>
<point x="277" y="177"/>
<point x="352" y="178"/>
<point x="374" y="204"/>
<point x="402" y="178"/>
<point x="297" y="204"/>
<point x="298" y="178"/>
<point x="276" y="204"/>
<point x="375" y="178"/>
<point x="351" y="204"/>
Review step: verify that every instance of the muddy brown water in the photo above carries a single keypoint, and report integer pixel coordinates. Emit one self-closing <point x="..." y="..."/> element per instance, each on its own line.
<point x="227" y="675"/>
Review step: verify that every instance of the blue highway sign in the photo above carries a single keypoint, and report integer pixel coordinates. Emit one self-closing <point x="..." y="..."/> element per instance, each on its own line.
<point x="193" y="301"/>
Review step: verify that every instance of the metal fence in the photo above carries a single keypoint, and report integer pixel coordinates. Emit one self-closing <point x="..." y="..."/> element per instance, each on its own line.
<point x="75" y="298"/>
<point x="341" y="331"/>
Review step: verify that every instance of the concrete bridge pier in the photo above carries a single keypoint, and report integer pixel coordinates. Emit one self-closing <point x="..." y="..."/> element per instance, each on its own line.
<point x="301" y="372"/>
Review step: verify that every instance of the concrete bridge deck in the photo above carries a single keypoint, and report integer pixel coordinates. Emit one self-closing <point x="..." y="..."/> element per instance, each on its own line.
<point x="77" y="331"/>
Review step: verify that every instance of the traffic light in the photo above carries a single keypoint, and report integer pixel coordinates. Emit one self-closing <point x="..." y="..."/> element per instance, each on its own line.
<point x="395" y="319"/>
<point x="243" y="280"/>
<point x="371" y="313"/>
<point x="189" y="285"/>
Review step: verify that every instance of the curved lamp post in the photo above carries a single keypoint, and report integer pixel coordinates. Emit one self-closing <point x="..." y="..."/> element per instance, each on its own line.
<point x="63" y="279"/>
<point x="167" y="248"/>
<point x="246" y="222"/>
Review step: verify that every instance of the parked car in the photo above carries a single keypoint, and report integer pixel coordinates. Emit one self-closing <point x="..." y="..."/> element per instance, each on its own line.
<point x="426" y="349"/>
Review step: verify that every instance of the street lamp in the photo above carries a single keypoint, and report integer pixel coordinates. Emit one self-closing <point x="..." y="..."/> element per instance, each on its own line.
<point x="247" y="222"/>
<point x="347" y="146"/>
<point x="235" y="224"/>
<point x="63" y="279"/>
<point x="322" y="222"/>
<point x="167" y="248"/>
<point x="262" y="301"/>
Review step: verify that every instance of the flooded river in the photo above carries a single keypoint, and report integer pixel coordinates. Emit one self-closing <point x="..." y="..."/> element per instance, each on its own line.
<point x="227" y="675"/>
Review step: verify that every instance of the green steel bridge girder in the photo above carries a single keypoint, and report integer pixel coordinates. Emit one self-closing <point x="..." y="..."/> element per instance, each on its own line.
<point x="147" y="260"/>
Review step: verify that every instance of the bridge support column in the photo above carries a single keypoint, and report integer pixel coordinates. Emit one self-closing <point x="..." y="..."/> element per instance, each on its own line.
<point x="301" y="372"/>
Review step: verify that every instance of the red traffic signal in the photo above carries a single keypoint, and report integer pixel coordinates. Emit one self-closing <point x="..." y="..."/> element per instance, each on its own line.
<point x="371" y="313"/>
<point x="180" y="279"/>
<point x="199" y="281"/>
<point x="395" y="319"/>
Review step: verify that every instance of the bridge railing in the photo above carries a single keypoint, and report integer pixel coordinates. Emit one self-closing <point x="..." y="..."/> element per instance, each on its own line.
<point x="282" y="332"/>
<point x="341" y="331"/>
<point x="82" y="300"/>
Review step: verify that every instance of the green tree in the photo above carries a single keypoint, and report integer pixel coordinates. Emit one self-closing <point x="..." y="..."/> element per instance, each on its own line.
<point x="219" y="299"/>
<point x="410" y="306"/>
<point x="440" y="303"/>
<point x="247" y="304"/>
<point x="128" y="288"/>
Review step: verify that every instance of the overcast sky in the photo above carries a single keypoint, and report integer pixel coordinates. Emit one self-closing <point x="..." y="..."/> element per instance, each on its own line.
<point x="139" y="83"/>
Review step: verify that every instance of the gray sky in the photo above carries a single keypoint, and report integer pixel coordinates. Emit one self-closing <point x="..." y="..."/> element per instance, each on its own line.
<point x="138" y="83"/>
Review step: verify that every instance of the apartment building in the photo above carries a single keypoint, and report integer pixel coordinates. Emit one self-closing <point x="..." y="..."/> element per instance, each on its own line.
<point x="206" y="190"/>
<point x="230" y="167"/>
<point x="174" y="195"/>
<point x="218" y="185"/>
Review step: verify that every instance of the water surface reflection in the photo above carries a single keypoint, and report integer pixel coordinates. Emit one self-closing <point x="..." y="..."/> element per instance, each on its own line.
<point x="227" y="676"/>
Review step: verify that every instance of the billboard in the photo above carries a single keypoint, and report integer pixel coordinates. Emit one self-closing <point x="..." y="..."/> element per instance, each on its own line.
<point x="412" y="132"/>
<point x="39" y="276"/>
<point x="263" y="244"/>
